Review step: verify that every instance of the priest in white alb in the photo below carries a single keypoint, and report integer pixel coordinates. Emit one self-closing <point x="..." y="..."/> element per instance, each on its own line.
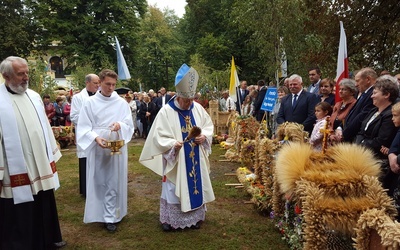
<point x="105" y="116"/>
<point x="181" y="161"/>
<point x="92" y="85"/>
<point x="28" y="156"/>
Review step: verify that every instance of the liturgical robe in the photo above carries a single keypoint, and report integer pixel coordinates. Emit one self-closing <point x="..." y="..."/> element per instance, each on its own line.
<point x="158" y="154"/>
<point x="107" y="175"/>
<point x="29" y="224"/>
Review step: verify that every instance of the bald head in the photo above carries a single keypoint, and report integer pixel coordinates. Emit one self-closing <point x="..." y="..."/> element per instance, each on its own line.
<point x="92" y="82"/>
<point x="365" y="78"/>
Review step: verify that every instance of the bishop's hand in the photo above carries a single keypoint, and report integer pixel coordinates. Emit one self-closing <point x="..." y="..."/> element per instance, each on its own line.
<point x="178" y="145"/>
<point x="200" y="139"/>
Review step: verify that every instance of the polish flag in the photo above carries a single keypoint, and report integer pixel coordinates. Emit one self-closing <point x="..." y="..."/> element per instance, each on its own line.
<point x="342" y="70"/>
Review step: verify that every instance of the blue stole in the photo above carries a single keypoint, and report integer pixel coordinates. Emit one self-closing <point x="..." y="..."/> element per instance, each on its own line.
<point x="192" y="157"/>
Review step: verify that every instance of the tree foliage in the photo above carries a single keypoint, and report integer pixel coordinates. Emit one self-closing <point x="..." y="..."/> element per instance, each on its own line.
<point x="17" y="29"/>
<point x="86" y="29"/>
<point x="372" y="30"/>
<point x="39" y="81"/>
<point x="209" y="78"/>
<point x="160" y="50"/>
<point x="155" y="43"/>
<point x="309" y="31"/>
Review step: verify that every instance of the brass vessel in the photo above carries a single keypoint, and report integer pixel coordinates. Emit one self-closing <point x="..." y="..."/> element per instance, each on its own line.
<point x="115" y="145"/>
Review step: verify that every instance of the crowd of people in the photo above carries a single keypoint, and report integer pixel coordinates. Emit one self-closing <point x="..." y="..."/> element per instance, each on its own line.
<point x="179" y="134"/>
<point x="300" y="104"/>
<point x="58" y="112"/>
<point x="366" y="114"/>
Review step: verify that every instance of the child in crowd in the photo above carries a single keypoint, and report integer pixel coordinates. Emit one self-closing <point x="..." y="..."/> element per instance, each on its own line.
<point x="322" y="111"/>
<point x="391" y="179"/>
<point x="247" y="106"/>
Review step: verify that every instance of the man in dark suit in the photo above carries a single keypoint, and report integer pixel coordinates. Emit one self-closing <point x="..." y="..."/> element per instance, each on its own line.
<point x="365" y="80"/>
<point x="163" y="99"/>
<point x="242" y="93"/>
<point x="314" y="74"/>
<point x="262" y="89"/>
<point x="298" y="106"/>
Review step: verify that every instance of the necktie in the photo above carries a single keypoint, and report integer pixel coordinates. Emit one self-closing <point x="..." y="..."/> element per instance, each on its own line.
<point x="358" y="103"/>
<point x="361" y="97"/>
<point x="294" y="101"/>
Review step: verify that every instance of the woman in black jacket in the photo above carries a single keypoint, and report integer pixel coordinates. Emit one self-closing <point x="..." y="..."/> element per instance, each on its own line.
<point x="377" y="129"/>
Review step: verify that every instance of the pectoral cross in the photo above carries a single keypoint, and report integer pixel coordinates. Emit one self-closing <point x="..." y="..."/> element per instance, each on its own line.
<point x="187" y="120"/>
<point x="188" y="124"/>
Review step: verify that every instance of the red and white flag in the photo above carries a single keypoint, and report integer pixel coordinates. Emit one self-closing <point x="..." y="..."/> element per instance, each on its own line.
<point x="342" y="70"/>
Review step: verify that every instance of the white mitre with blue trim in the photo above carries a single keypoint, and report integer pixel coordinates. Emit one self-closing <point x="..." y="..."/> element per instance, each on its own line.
<point x="186" y="81"/>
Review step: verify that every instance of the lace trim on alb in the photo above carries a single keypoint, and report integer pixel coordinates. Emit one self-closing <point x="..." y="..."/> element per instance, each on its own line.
<point x="172" y="215"/>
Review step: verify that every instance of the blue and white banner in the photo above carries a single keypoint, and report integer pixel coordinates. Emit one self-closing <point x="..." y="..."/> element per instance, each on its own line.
<point x="123" y="72"/>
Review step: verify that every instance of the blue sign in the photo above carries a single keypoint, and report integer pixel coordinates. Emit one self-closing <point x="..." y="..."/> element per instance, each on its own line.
<point x="269" y="99"/>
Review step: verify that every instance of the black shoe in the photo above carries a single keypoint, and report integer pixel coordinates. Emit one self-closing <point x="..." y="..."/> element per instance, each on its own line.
<point x="110" y="227"/>
<point x="166" y="227"/>
<point x="197" y="226"/>
<point x="60" y="244"/>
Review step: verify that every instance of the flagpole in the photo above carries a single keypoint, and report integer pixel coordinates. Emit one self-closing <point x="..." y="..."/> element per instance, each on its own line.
<point x="238" y="99"/>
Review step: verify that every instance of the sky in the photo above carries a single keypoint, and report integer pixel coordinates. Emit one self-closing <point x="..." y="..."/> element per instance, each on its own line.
<point x="177" y="5"/>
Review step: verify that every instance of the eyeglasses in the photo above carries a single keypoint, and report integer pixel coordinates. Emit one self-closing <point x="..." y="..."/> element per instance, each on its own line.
<point x="344" y="90"/>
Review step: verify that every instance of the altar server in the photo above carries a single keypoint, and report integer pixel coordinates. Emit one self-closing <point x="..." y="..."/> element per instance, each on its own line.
<point x="105" y="116"/>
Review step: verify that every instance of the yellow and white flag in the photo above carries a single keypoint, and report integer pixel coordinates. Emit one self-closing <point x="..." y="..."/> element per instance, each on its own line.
<point x="234" y="82"/>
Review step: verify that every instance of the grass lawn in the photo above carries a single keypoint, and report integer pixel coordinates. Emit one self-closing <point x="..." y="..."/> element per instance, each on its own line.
<point x="230" y="223"/>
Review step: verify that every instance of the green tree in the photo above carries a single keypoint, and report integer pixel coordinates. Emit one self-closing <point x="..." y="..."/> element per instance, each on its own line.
<point x="86" y="29"/>
<point x="39" y="81"/>
<point x="217" y="30"/>
<point x="205" y="29"/>
<point x="79" y="74"/>
<point x="211" y="81"/>
<point x="161" y="51"/>
<point x="17" y="29"/>
<point x="252" y="32"/>
<point x="372" y="32"/>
